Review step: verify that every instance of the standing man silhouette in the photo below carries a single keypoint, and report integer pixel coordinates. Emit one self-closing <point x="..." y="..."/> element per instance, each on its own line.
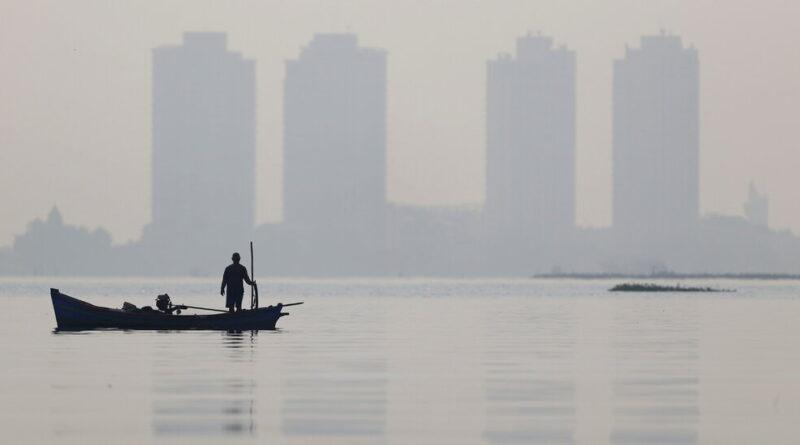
<point x="233" y="276"/>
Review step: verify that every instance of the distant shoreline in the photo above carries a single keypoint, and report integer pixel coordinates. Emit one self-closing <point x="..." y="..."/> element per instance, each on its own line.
<point x="672" y="275"/>
<point x="403" y="277"/>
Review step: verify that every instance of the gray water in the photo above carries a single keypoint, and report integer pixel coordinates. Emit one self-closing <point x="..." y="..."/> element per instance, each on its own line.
<point x="411" y="361"/>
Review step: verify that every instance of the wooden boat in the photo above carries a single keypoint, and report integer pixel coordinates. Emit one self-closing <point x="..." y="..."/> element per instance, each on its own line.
<point x="72" y="313"/>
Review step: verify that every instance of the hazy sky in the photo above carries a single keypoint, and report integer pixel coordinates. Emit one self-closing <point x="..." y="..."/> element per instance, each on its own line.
<point x="75" y="95"/>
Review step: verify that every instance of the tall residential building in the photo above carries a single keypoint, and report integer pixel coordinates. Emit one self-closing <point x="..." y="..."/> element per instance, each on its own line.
<point x="656" y="139"/>
<point x="530" y="131"/>
<point x="335" y="138"/>
<point x="203" y="139"/>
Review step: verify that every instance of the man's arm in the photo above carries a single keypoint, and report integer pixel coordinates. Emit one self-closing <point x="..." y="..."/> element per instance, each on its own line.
<point x="247" y="278"/>
<point x="224" y="282"/>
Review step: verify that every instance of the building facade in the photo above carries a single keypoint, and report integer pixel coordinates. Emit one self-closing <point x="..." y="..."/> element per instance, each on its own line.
<point x="530" y="131"/>
<point x="335" y="139"/>
<point x="203" y="179"/>
<point x="656" y="139"/>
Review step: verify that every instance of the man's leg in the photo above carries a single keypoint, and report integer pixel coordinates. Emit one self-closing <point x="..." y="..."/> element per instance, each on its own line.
<point x="239" y="302"/>
<point x="229" y="301"/>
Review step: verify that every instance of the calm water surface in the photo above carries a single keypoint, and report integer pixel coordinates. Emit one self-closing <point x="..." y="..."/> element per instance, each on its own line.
<point x="411" y="361"/>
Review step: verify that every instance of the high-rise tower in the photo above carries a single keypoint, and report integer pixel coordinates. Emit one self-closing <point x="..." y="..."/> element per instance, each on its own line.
<point x="656" y="139"/>
<point x="203" y="139"/>
<point x="335" y="138"/>
<point x="530" y="132"/>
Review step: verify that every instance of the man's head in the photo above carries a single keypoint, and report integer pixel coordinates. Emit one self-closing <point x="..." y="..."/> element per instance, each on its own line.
<point x="236" y="257"/>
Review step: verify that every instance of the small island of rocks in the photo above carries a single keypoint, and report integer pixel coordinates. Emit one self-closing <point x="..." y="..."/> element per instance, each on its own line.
<point x="650" y="287"/>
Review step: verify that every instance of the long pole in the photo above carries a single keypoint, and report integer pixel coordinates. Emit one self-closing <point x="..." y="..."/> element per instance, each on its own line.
<point x="199" y="307"/>
<point x="253" y="290"/>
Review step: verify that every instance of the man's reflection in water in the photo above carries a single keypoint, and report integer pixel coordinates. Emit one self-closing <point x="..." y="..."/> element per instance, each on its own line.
<point x="530" y="391"/>
<point x="656" y="388"/>
<point x="202" y="389"/>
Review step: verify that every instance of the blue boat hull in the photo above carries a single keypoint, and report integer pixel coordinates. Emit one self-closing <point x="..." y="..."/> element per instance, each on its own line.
<point x="72" y="313"/>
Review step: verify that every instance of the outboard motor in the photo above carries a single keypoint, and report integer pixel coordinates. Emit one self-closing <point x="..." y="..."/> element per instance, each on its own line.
<point x="164" y="304"/>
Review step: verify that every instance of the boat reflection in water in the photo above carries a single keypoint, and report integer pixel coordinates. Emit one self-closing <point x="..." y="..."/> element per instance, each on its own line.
<point x="215" y="399"/>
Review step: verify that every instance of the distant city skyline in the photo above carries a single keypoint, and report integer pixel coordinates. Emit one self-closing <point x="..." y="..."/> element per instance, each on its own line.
<point x="335" y="142"/>
<point x="75" y="119"/>
<point x="338" y="219"/>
